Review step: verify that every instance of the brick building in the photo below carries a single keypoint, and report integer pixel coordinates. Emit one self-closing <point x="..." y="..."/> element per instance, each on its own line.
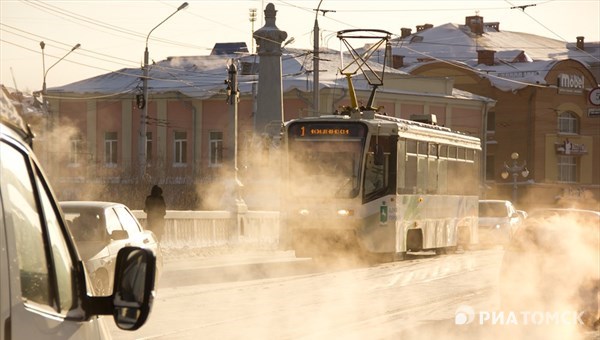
<point x="544" y="107"/>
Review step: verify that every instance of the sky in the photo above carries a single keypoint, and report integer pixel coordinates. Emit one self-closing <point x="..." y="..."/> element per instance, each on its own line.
<point x="113" y="33"/>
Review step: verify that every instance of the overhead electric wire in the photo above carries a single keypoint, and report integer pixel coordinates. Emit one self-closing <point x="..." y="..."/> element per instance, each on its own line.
<point x="80" y="18"/>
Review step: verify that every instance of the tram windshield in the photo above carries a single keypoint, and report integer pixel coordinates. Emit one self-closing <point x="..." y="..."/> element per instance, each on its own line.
<point x="326" y="165"/>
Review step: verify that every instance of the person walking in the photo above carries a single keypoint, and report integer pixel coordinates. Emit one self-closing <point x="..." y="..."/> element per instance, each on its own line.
<point x="155" y="209"/>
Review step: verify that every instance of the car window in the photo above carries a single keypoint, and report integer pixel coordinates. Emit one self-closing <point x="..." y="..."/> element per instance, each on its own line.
<point x="34" y="264"/>
<point x="129" y="222"/>
<point x="17" y="189"/>
<point x="112" y="221"/>
<point x="63" y="264"/>
<point x="492" y="209"/>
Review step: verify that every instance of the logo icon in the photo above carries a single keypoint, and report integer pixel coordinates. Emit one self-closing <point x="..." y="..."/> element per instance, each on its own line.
<point x="464" y="315"/>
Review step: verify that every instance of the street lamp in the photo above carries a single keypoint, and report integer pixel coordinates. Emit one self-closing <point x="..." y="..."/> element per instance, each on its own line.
<point x="144" y="118"/>
<point x="48" y="124"/>
<point x="515" y="169"/>
<point x="43" y="45"/>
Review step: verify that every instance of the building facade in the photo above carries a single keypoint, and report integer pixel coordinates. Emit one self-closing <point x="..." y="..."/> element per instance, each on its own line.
<point x="545" y="114"/>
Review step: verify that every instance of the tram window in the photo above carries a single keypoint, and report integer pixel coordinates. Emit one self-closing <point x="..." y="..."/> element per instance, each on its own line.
<point x="422" y="174"/>
<point x="432" y="174"/>
<point x="442" y="176"/>
<point x="470" y="155"/>
<point x="461" y="154"/>
<point x="375" y="174"/>
<point x="433" y="150"/>
<point x="401" y="169"/>
<point x="443" y="151"/>
<point x="377" y="167"/>
<point x="410" y="184"/>
<point x="452" y="151"/>
<point x="411" y="147"/>
<point x="422" y="148"/>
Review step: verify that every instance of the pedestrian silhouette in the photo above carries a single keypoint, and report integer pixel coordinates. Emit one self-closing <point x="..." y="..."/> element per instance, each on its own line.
<point x="155" y="209"/>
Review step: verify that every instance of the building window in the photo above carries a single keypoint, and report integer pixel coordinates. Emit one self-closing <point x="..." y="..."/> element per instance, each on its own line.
<point x="75" y="148"/>
<point x="568" y="122"/>
<point x="215" y="143"/>
<point x="148" y="147"/>
<point x="110" y="149"/>
<point x="567" y="169"/>
<point x="180" y="143"/>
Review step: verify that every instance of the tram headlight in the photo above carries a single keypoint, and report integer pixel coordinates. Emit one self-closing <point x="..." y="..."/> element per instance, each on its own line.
<point x="345" y="212"/>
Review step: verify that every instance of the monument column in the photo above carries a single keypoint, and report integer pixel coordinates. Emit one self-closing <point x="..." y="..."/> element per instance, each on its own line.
<point x="269" y="114"/>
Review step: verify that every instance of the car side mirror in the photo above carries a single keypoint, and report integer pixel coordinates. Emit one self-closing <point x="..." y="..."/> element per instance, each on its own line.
<point x="133" y="287"/>
<point x="119" y="235"/>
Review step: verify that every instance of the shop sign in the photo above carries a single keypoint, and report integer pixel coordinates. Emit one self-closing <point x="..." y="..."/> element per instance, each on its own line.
<point x="570" y="83"/>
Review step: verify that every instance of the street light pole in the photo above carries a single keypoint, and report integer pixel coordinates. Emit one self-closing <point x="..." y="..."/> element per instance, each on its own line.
<point x="144" y="118"/>
<point x="43" y="45"/>
<point x="515" y="169"/>
<point x="48" y="125"/>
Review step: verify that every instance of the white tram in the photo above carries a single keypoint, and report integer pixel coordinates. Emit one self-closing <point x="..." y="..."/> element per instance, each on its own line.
<point x="369" y="183"/>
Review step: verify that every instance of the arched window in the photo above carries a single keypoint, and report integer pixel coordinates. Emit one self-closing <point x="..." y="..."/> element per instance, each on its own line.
<point x="568" y="122"/>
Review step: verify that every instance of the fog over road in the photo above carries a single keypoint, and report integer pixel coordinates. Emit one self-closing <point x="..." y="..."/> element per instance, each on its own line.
<point x="234" y="297"/>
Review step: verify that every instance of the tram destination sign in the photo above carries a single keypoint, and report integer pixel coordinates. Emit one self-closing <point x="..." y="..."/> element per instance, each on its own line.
<point x="327" y="130"/>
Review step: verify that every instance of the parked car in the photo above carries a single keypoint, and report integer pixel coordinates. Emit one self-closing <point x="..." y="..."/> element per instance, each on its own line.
<point x="498" y="221"/>
<point x="523" y="215"/>
<point x="43" y="283"/>
<point x="552" y="264"/>
<point x="100" y="230"/>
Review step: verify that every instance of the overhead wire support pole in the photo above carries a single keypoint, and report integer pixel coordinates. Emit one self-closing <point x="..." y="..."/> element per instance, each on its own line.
<point x="315" y="105"/>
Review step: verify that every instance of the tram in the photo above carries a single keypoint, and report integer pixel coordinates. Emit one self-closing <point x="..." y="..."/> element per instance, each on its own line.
<point x="362" y="182"/>
<point x="368" y="183"/>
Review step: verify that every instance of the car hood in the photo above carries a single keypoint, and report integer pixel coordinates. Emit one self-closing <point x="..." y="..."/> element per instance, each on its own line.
<point x="492" y="221"/>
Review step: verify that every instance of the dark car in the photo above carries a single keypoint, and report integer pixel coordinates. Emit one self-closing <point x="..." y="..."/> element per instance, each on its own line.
<point x="100" y="230"/>
<point x="553" y="264"/>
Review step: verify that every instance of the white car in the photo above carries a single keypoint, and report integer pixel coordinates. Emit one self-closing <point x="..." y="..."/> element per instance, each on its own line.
<point x="498" y="221"/>
<point x="100" y="230"/>
<point x="43" y="284"/>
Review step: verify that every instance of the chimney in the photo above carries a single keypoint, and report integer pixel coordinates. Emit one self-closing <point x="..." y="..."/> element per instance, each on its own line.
<point x="397" y="61"/>
<point x="580" y="44"/>
<point x="485" y="57"/>
<point x="405" y="32"/>
<point x="475" y="23"/>
<point x="423" y="27"/>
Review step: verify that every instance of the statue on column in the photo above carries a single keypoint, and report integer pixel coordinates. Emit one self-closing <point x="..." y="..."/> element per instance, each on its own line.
<point x="269" y="37"/>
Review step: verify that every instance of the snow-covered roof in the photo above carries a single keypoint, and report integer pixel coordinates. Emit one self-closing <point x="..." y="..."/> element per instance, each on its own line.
<point x="203" y="76"/>
<point x="519" y="58"/>
<point x="457" y="42"/>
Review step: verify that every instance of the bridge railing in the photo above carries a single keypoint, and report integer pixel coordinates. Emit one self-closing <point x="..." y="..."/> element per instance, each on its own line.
<point x="203" y="229"/>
